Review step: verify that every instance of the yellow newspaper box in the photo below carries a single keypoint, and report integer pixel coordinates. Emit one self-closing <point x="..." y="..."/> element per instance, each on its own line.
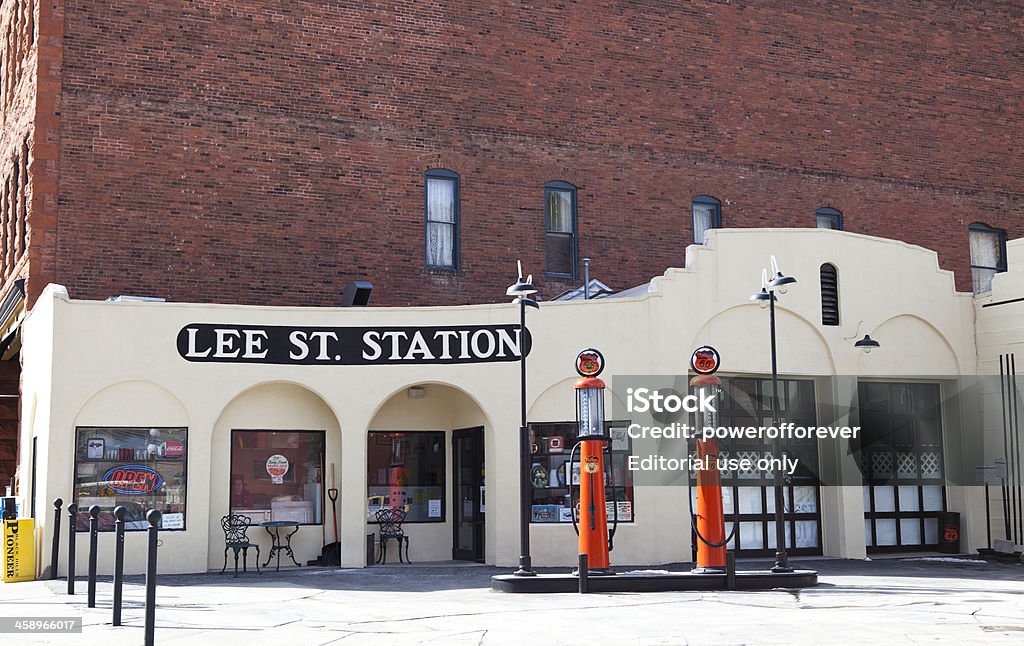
<point x="19" y="550"/>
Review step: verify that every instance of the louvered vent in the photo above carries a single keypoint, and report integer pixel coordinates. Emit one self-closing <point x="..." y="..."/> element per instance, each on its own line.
<point x="829" y="295"/>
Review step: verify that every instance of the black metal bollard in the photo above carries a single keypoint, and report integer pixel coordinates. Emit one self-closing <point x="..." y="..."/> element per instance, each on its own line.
<point x="72" y="515"/>
<point x="730" y="571"/>
<point x="153" y="516"/>
<point x="94" y="528"/>
<point x="119" y="513"/>
<point x="584" y="572"/>
<point x="57" y="504"/>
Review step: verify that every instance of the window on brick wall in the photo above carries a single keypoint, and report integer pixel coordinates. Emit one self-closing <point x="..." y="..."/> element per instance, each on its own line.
<point x="442" y="219"/>
<point x="560" y="229"/>
<point x="707" y="214"/>
<point x="828" y="218"/>
<point x="988" y="255"/>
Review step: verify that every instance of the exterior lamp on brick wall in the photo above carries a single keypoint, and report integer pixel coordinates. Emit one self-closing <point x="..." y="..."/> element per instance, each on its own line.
<point x="523" y="291"/>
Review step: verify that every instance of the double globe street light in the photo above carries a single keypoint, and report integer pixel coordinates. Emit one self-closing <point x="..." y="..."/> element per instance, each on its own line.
<point x="523" y="291"/>
<point x="766" y="298"/>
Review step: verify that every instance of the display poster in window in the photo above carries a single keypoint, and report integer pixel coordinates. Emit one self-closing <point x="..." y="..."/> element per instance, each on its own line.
<point x="95" y="448"/>
<point x="434" y="508"/>
<point x="174" y="521"/>
<point x="620" y="438"/>
<point x="277" y="466"/>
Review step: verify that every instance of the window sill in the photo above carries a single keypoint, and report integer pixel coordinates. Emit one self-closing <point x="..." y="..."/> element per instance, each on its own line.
<point x="441" y="270"/>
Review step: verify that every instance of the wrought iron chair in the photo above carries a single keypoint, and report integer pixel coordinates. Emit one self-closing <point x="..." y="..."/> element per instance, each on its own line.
<point x="235" y="527"/>
<point x="390" y="521"/>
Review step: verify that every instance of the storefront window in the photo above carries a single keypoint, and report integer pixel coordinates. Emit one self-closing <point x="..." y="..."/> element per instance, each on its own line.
<point x="405" y="470"/>
<point x="551" y="475"/>
<point x="138" y="468"/>
<point x="277" y="475"/>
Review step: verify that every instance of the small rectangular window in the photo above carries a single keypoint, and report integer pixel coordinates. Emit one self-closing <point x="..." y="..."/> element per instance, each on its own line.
<point x="442" y="220"/>
<point x="829" y="218"/>
<point x="560" y="229"/>
<point x="987" y="256"/>
<point x="707" y="214"/>
<point x="406" y="470"/>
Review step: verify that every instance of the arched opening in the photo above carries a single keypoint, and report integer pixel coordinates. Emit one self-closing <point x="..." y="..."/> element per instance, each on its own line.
<point x="427" y="449"/>
<point x="283" y="448"/>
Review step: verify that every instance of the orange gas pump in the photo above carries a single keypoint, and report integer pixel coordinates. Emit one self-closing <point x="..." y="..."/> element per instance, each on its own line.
<point x="592" y="526"/>
<point x="709" y="521"/>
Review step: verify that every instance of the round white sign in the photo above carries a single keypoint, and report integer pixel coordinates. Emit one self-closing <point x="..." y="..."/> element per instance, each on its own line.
<point x="277" y="465"/>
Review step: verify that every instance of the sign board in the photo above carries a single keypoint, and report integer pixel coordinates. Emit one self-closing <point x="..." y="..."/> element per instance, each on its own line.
<point x="277" y="466"/>
<point x="133" y="479"/>
<point x="589" y="363"/>
<point x="350" y="346"/>
<point x="1000" y="466"/>
<point x="173" y="521"/>
<point x="19" y="550"/>
<point x="705" y="360"/>
<point x="989" y="473"/>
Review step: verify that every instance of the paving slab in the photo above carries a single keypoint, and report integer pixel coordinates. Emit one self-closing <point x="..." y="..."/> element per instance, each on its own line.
<point x="904" y="601"/>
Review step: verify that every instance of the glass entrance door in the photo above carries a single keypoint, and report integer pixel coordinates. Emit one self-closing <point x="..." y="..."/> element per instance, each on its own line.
<point x="901" y="459"/>
<point x="470" y="500"/>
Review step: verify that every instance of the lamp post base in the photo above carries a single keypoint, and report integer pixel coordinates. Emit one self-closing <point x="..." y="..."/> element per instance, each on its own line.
<point x="781" y="564"/>
<point x="525" y="568"/>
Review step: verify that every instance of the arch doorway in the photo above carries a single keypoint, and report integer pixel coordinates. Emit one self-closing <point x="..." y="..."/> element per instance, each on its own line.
<point x="427" y="448"/>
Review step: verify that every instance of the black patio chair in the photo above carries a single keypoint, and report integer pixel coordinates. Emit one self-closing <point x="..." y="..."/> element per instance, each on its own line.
<point x="235" y="527"/>
<point x="390" y="521"/>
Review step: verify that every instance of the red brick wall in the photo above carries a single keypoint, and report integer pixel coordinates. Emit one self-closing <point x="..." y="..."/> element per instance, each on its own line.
<point x="229" y="151"/>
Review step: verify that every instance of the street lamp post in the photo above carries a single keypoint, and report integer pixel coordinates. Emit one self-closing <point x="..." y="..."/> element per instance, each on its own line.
<point x="767" y="293"/>
<point x="522" y="290"/>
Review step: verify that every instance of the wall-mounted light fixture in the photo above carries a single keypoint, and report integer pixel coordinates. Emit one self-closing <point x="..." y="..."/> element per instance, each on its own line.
<point x="867" y="344"/>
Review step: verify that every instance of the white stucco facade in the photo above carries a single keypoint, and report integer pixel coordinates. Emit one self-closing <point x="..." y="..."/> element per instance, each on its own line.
<point x="90" y="363"/>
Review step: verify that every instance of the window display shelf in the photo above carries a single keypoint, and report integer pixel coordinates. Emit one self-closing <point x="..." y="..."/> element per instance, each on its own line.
<point x="551" y="471"/>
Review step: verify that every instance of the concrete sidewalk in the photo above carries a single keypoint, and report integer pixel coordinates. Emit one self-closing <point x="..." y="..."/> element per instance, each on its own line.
<point x="880" y="602"/>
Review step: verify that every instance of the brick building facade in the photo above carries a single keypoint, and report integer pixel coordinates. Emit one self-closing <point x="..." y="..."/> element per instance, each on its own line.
<point x="246" y="152"/>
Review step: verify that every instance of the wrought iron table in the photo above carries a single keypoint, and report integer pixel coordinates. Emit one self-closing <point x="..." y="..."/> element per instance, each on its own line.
<point x="275" y="537"/>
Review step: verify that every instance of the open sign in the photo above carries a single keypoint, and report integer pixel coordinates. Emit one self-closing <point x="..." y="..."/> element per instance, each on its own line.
<point x="133" y="479"/>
